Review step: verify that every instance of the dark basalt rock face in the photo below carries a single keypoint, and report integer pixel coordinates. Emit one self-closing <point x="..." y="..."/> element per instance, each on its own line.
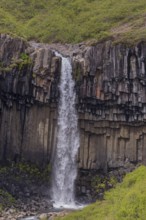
<point x="111" y="101"/>
<point x="112" y="106"/>
<point x="28" y="93"/>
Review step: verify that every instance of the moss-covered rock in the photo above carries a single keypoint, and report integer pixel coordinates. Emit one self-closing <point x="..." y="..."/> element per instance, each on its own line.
<point x="6" y="199"/>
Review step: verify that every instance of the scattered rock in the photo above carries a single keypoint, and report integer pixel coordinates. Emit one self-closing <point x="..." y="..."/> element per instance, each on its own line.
<point x="43" y="216"/>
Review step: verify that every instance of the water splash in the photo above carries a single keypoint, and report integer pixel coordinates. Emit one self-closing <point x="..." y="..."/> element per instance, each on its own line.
<point x="64" y="169"/>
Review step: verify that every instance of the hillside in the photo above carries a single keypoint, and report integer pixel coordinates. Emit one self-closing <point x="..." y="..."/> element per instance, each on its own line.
<point x="126" y="202"/>
<point x="75" y="20"/>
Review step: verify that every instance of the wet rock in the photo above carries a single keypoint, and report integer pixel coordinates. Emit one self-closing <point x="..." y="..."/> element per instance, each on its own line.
<point x="43" y="216"/>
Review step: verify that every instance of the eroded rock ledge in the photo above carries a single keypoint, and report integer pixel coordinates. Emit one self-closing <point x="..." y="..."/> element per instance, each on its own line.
<point x="111" y="101"/>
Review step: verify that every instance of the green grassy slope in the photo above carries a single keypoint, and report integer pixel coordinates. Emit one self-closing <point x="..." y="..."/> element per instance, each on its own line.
<point x="74" y="20"/>
<point x="126" y="202"/>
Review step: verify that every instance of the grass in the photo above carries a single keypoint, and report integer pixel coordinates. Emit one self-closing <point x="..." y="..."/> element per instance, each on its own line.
<point x="75" y="20"/>
<point x="126" y="202"/>
<point x="6" y="199"/>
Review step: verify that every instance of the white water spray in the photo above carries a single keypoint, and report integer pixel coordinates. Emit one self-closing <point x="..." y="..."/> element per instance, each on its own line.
<point x="64" y="170"/>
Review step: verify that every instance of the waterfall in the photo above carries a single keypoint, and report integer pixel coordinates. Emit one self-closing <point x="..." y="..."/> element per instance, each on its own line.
<point x="64" y="169"/>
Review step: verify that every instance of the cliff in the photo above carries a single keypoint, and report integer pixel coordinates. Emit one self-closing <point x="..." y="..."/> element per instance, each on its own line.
<point x="28" y="93"/>
<point x="111" y="101"/>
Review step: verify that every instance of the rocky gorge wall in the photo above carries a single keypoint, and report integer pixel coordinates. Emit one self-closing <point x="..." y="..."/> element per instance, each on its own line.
<point x="111" y="101"/>
<point x="112" y="106"/>
<point x="28" y="78"/>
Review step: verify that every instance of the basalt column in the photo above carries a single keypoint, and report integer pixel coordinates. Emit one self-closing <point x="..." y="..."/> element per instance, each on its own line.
<point x="111" y="85"/>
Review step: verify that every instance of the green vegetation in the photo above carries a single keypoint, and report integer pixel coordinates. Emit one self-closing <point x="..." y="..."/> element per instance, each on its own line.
<point x="102" y="184"/>
<point x="6" y="199"/>
<point x="74" y="20"/>
<point x="16" y="177"/>
<point x="23" y="61"/>
<point x="20" y="170"/>
<point x="34" y="172"/>
<point x="1" y="208"/>
<point x="126" y="202"/>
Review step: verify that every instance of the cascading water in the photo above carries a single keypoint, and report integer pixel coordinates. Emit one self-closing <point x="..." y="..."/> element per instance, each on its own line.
<point x="64" y="169"/>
